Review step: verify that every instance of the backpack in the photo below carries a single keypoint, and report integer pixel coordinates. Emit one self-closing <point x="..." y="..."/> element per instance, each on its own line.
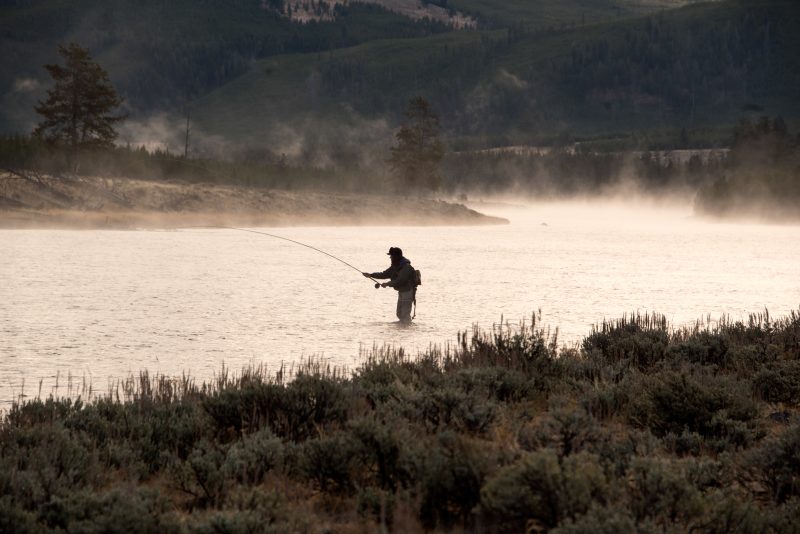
<point x="417" y="278"/>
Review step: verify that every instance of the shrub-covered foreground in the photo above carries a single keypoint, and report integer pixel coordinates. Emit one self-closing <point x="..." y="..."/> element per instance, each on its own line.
<point x="642" y="428"/>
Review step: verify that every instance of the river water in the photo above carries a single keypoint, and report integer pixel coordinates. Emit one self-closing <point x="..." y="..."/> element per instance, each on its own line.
<point x="89" y="307"/>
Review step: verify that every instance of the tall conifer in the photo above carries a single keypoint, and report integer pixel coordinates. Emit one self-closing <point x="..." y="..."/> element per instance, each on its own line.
<point x="418" y="152"/>
<point x="78" y="110"/>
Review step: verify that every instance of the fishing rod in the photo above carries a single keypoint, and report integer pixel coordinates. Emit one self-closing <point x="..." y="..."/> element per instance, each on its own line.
<point x="377" y="284"/>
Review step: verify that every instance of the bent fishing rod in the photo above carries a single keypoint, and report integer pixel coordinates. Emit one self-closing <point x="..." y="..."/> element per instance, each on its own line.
<point x="377" y="284"/>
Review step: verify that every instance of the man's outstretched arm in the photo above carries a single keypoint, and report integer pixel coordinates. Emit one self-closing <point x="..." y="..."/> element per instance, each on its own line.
<point x="384" y="274"/>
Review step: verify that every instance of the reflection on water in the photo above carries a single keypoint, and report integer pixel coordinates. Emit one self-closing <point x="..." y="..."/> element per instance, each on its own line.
<point x="97" y="305"/>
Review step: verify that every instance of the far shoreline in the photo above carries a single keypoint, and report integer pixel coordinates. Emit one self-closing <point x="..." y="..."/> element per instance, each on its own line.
<point x="95" y="203"/>
<point x="116" y="221"/>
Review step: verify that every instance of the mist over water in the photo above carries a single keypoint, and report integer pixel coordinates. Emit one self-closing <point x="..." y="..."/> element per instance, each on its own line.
<point x="98" y="305"/>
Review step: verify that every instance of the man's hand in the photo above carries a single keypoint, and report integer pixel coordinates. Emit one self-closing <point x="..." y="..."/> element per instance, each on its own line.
<point x="385" y="284"/>
<point x="367" y="275"/>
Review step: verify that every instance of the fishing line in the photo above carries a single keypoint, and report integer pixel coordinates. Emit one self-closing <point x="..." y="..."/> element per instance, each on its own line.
<point x="285" y="239"/>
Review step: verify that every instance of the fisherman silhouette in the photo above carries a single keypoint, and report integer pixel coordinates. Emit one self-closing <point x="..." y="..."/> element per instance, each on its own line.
<point x="402" y="277"/>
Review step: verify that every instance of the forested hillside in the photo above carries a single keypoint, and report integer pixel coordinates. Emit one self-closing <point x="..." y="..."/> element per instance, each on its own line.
<point x="161" y="54"/>
<point x="687" y="67"/>
<point x="539" y="72"/>
<point x="698" y="69"/>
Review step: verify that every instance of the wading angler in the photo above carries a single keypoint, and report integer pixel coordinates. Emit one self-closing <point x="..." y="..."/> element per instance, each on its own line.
<point x="404" y="279"/>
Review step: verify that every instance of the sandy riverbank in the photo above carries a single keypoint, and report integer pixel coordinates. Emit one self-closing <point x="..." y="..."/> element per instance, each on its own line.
<point x="36" y="201"/>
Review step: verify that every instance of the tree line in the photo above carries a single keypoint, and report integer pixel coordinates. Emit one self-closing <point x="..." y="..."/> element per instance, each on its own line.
<point x="761" y="169"/>
<point x="762" y="178"/>
<point x="78" y="122"/>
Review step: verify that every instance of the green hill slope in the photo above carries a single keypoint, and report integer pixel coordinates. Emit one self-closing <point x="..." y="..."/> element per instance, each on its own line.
<point x="161" y="53"/>
<point x="695" y="67"/>
<point x="305" y="95"/>
<point x="537" y="71"/>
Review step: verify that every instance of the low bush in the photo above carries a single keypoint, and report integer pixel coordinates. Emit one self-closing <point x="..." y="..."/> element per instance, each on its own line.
<point x="704" y="348"/>
<point x="121" y="510"/>
<point x="779" y="382"/>
<point x="386" y="453"/>
<point x="775" y="465"/>
<point x="295" y="411"/>
<point x="640" y="341"/>
<point x="660" y="491"/>
<point x="602" y="520"/>
<point x="251" y="458"/>
<point x="329" y="462"/>
<point x="563" y="428"/>
<point x="719" y="408"/>
<point x="538" y="491"/>
<point x="643" y="429"/>
<point x="450" y="475"/>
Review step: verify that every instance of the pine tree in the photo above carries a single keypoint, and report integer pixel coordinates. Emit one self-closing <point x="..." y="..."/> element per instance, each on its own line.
<point x="416" y="157"/>
<point x="78" y="110"/>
